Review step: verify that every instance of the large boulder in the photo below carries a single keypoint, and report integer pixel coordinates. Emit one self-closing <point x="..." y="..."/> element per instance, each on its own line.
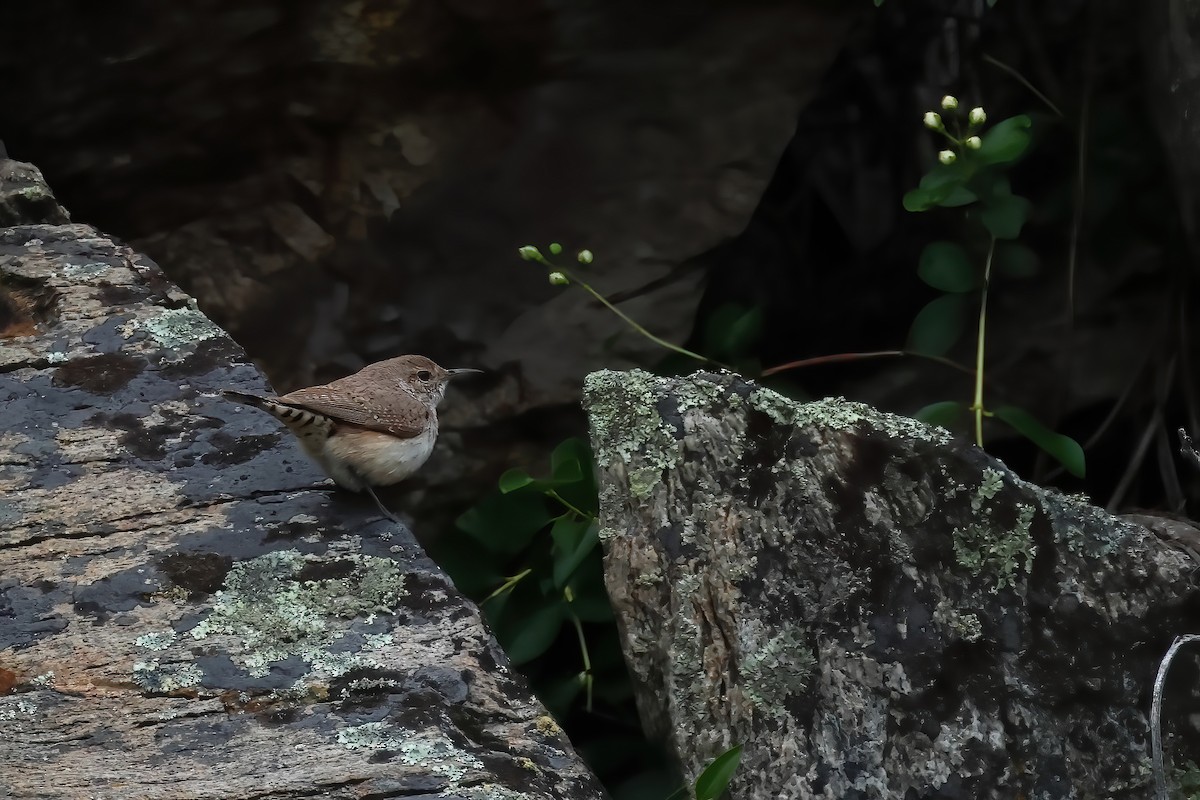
<point x="875" y="610"/>
<point x="185" y="609"/>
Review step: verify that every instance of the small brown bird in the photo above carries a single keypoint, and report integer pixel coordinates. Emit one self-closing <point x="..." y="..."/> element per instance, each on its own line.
<point x="373" y="428"/>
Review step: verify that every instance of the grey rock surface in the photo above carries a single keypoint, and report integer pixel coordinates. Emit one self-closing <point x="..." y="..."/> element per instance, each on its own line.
<point x="185" y="611"/>
<point x="876" y="611"/>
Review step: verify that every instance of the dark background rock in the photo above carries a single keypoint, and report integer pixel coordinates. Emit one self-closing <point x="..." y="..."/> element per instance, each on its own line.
<point x="184" y="611"/>
<point x="873" y="611"/>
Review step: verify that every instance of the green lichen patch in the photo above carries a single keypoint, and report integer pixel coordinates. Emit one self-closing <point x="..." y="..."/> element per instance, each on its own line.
<point x="165" y="678"/>
<point x="836" y="413"/>
<point x="643" y="480"/>
<point x="985" y="547"/>
<point x="957" y="624"/>
<point x="624" y="419"/>
<point x="276" y="613"/>
<point x="775" y="665"/>
<point x="179" y="326"/>
<point x="156" y="641"/>
<point x="1084" y="528"/>
<point x="432" y="754"/>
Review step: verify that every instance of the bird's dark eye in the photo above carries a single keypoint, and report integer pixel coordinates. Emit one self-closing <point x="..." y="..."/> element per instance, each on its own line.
<point x="424" y="375"/>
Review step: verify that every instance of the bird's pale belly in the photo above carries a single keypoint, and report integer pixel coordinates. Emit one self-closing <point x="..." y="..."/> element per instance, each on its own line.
<point x="378" y="459"/>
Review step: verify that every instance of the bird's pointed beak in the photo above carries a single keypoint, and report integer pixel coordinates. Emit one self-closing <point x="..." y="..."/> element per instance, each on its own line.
<point x="454" y="373"/>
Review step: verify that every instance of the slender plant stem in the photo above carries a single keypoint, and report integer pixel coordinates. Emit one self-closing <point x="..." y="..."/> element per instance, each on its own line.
<point x="683" y="351"/>
<point x="508" y="584"/>
<point x="977" y="406"/>
<point x="569" y="507"/>
<point x="1024" y="82"/>
<point x="838" y="358"/>
<point x="583" y="648"/>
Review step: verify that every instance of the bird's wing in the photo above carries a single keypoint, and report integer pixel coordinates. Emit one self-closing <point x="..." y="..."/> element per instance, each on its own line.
<point x="401" y="415"/>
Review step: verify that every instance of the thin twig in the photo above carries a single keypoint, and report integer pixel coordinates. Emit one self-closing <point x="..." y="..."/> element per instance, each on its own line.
<point x="683" y="351"/>
<point x="1139" y="453"/>
<point x="1024" y="82"/>
<point x="838" y="358"/>
<point x="1160" y="770"/>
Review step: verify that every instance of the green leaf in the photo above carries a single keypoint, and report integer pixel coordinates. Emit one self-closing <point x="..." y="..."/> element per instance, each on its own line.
<point x="938" y="326"/>
<point x="537" y="632"/>
<point x="959" y="196"/>
<point x="1062" y="449"/>
<point x="1015" y="260"/>
<point x="505" y="523"/>
<point x="1005" y="141"/>
<point x="573" y="539"/>
<point x="1004" y="215"/>
<point x="945" y="182"/>
<point x="566" y="462"/>
<point x="715" y="778"/>
<point x="945" y="266"/>
<point x="514" y="479"/>
<point x="945" y="413"/>
<point x="575" y="478"/>
<point x="920" y="199"/>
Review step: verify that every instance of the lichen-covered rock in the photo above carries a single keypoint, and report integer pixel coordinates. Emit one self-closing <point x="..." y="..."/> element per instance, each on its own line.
<point x="873" y="610"/>
<point x="185" y="609"/>
<point x="24" y="195"/>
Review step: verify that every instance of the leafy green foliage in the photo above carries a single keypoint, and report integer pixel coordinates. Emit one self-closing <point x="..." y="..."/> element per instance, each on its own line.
<point x="948" y="414"/>
<point x="1062" y="449"/>
<point x="973" y="175"/>
<point x="946" y="266"/>
<point x="715" y="778"/>
<point x="529" y="554"/>
<point x="938" y="326"/>
<point x="1006" y="141"/>
<point x="1004" y="213"/>
<point x="1015" y="260"/>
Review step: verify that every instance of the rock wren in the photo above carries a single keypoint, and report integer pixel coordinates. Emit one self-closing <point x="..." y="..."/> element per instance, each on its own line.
<point x="373" y="428"/>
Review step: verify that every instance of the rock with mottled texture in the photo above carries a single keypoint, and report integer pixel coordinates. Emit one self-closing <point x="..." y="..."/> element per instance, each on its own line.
<point x="873" y="610"/>
<point x="24" y="195"/>
<point x="185" y="611"/>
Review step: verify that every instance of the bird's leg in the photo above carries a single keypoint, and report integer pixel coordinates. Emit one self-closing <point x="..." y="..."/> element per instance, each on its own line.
<point x="382" y="508"/>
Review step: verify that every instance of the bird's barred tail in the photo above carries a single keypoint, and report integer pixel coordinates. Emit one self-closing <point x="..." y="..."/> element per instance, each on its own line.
<point x="302" y="422"/>
<point x="247" y="399"/>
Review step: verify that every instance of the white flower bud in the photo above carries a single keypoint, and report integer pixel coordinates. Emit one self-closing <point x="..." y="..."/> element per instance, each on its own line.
<point x="585" y="256"/>
<point x="949" y="102"/>
<point x="973" y="142"/>
<point x="977" y="117"/>
<point x="947" y="157"/>
<point x="529" y="252"/>
<point x="933" y="121"/>
<point x="558" y="279"/>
